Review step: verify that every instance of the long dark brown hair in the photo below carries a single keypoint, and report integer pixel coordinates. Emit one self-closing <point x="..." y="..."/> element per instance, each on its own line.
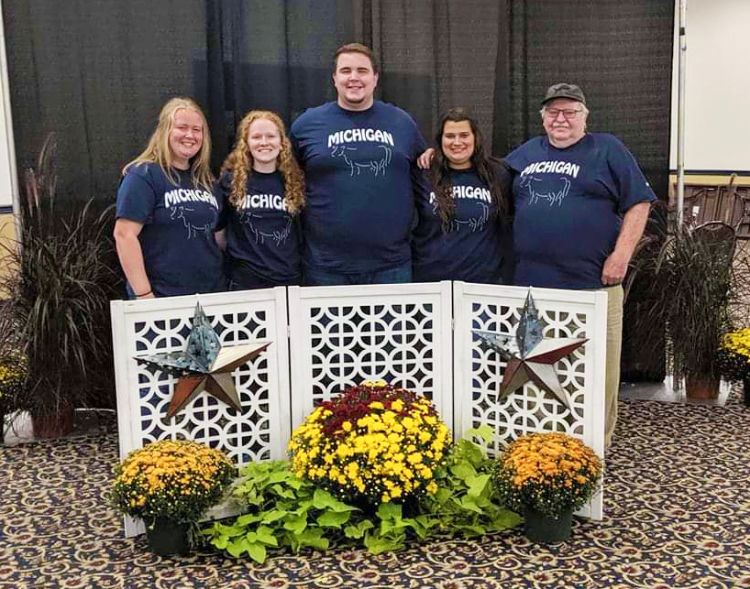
<point x="484" y="165"/>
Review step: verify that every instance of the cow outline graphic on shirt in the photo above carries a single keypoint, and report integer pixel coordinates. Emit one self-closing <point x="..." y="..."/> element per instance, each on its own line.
<point x="247" y="216"/>
<point x="178" y="212"/>
<point x="377" y="167"/>
<point x="475" y="223"/>
<point x="551" y="196"/>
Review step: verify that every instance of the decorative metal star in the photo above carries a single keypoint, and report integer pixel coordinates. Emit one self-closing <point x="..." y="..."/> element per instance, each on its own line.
<point x="204" y="365"/>
<point x="531" y="357"/>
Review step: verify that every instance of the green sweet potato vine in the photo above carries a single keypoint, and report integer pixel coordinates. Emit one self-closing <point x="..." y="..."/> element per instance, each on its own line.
<point x="284" y="511"/>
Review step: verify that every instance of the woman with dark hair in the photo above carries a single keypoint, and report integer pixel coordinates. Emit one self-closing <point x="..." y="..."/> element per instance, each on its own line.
<point x="166" y="212"/>
<point x="463" y="227"/>
<point x="263" y="192"/>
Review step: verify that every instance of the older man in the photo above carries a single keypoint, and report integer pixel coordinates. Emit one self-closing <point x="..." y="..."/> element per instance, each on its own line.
<point x="581" y="203"/>
<point x="358" y="155"/>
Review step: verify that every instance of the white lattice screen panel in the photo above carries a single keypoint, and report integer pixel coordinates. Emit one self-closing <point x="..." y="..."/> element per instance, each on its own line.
<point x="261" y="431"/>
<point x="478" y="373"/>
<point x="343" y="335"/>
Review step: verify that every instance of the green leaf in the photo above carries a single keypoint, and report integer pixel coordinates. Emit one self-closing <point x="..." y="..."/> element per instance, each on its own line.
<point x="504" y="519"/>
<point x="443" y="495"/>
<point x="268" y="517"/>
<point x="470" y="504"/>
<point x="484" y="432"/>
<point x="283" y="491"/>
<point x="322" y="499"/>
<point x="463" y="470"/>
<point x="313" y="537"/>
<point x="245" y="520"/>
<point x="256" y="550"/>
<point x="378" y="544"/>
<point x="236" y="548"/>
<point x="477" y="484"/>
<point x="296" y="524"/>
<point x="333" y="519"/>
<point x="266" y="536"/>
<point x="389" y="511"/>
<point x="358" y="530"/>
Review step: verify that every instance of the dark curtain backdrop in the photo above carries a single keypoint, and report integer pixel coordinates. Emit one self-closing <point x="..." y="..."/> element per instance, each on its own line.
<point x="97" y="73"/>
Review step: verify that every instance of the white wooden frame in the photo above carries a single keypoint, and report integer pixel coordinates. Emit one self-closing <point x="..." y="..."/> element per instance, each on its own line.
<point x="302" y="303"/>
<point x="586" y="421"/>
<point x="129" y="374"/>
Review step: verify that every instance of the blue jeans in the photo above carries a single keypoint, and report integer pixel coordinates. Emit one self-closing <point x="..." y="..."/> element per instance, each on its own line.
<point x="395" y="275"/>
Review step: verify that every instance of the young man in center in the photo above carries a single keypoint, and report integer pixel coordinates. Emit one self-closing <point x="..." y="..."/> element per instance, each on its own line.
<point x="358" y="155"/>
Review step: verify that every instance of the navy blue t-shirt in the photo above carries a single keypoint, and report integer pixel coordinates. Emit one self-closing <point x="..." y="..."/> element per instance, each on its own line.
<point x="177" y="240"/>
<point x="471" y="247"/>
<point x="261" y="235"/>
<point x="569" y="205"/>
<point x="360" y="175"/>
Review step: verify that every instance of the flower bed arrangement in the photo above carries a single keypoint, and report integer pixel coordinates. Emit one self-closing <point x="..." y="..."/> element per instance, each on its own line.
<point x="374" y="444"/>
<point x="550" y="473"/>
<point x="374" y="467"/>
<point x="734" y="355"/>
<point x="177" y="480"/>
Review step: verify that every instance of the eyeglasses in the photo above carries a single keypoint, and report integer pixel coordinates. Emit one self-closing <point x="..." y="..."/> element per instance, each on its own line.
<point x="568" y="113"/>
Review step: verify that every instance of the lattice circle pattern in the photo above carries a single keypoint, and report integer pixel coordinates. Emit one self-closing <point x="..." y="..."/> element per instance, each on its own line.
<point x="528" y="409"/>
<point x="352" y="343"/>
<point x="244" y="437"/>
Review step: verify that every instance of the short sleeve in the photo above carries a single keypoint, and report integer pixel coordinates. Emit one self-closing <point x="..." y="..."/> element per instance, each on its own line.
<point x="632" y="186"/>
<point x="136" y="198"/>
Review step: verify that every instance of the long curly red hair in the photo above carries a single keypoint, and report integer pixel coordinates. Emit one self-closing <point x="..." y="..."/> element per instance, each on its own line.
<point x="240" y="163"/>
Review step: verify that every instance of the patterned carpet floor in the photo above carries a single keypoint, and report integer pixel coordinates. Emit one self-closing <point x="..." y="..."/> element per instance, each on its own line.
<point x="677" y="515"/>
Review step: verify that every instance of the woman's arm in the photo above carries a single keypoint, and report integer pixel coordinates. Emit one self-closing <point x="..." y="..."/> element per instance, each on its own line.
<point x="131" y="257"/>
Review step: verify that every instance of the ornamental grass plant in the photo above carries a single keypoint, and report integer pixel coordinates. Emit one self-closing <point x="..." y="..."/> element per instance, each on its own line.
<point x="700" y="287"/>
<point x="549" y="473"/>
<point x="63" y="274"/>
<point x="176" y="480"/>
<point x="374" y="444"/>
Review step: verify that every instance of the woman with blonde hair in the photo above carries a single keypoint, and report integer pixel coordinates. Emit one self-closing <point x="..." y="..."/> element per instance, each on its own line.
<point x="166" y="211"/>
<point x="263" y="191"/>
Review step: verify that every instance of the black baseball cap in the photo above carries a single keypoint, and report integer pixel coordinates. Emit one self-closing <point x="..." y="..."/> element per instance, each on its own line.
<point x="564" y="90"/>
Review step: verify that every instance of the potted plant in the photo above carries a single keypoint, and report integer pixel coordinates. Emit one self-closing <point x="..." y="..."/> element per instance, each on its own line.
<point x="13" y="373"/>
<point x="64" y="275"/>
<point x="546" y="477"/>
<point x="169" y="485"/>
<point x="734" y="359"/>
<point x="695" y="288"/>
<point x="376" y="443"/>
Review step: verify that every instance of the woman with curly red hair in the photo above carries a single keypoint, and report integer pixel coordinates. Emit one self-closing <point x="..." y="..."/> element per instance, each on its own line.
<point x="263" y="192"/>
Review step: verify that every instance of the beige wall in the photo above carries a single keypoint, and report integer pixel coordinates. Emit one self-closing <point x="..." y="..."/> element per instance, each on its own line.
<point x="717" y="86"/>
<point x="7" y="235"/>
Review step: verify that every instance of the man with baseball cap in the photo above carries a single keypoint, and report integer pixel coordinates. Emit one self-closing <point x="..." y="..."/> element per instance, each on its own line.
<point x="581" y="204"/>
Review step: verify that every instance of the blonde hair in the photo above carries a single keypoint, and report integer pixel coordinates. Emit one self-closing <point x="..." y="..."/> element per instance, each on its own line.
<point x="158" y="152"/>
<point x="240" y="163"/>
